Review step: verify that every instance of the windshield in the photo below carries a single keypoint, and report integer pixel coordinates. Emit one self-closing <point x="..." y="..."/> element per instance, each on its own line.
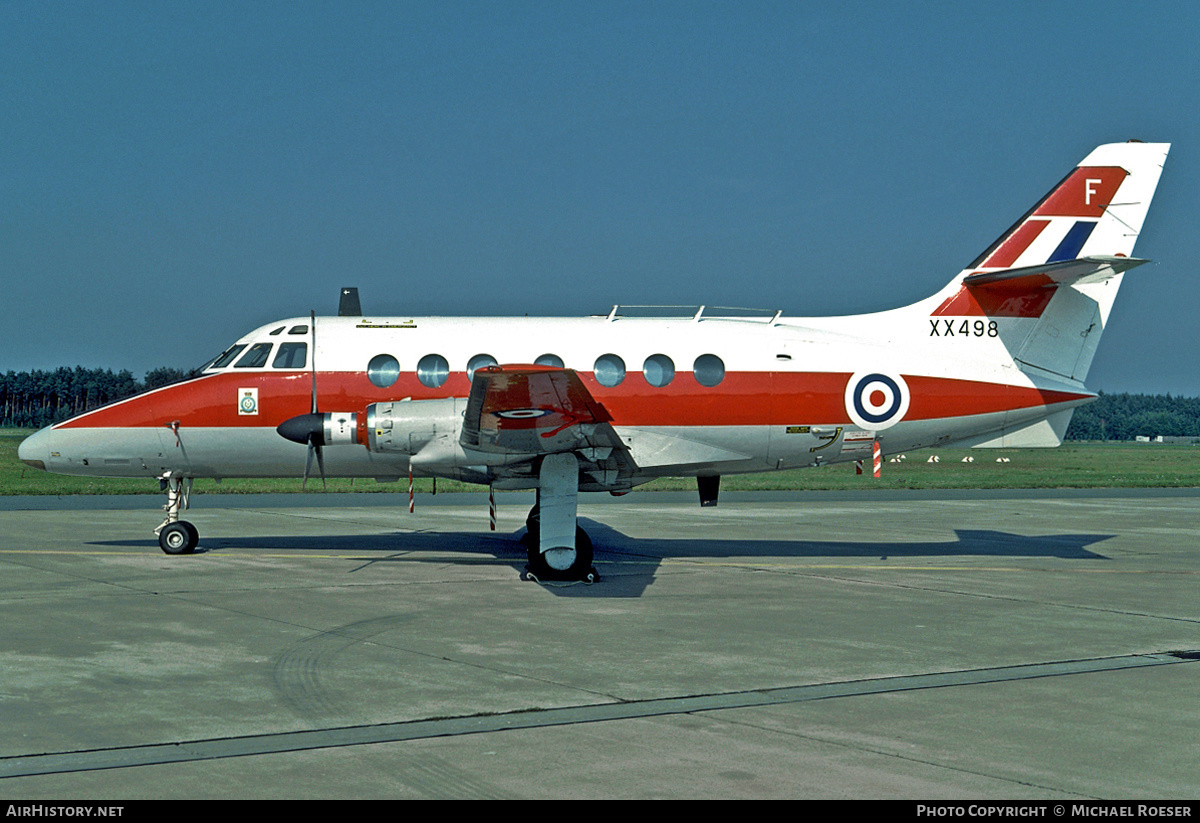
<point x="224" y="358"/>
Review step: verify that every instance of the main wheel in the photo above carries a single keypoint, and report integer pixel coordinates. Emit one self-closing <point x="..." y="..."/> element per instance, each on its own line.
<point x="179" y="537"/>
<point x="563" y="563"/>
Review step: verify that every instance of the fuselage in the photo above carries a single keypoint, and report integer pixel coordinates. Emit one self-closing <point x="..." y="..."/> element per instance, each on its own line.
<point x="688" y="395"/>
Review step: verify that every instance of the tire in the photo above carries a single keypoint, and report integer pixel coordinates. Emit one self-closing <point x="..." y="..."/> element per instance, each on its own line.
<point x="579" y="569"/>
<point x="179" y="537"/>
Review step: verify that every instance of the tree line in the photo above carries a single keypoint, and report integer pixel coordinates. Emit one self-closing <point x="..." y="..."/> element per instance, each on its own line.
<point x="32" y="399"/>
<point x="1129" y="416"/>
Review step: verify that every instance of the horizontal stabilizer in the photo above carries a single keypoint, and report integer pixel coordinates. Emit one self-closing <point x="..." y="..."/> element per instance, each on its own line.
<point x="1063" y="273"/>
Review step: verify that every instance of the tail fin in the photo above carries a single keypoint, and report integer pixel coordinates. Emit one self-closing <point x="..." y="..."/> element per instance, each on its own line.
<point x="1049" y="282"/>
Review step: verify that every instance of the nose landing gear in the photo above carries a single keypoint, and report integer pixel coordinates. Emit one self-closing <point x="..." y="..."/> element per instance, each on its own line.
<point x="176" y="536"/>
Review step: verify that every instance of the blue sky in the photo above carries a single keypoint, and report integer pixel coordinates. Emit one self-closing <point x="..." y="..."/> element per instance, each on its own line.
<point x="174" y="174"/>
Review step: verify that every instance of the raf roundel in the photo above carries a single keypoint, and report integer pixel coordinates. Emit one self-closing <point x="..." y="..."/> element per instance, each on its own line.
<point x="523" y="414"/>
<point x="875" y="400"/>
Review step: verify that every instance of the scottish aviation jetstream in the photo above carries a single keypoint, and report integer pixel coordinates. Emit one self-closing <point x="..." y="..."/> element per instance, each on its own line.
<point x="996" y="358"/>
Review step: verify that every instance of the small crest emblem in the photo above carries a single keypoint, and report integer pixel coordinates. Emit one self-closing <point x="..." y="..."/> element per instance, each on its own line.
<point x="247" y="401"/>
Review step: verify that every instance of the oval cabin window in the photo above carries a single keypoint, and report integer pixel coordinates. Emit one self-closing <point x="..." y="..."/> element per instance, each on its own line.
<point x="432" y="370"/>
<point x="479" y="361"/>
<point x="609" y="370"/>
<point x="659" y="370"/>
<point x="709" y="370"/>
<point x="383" y="370"/>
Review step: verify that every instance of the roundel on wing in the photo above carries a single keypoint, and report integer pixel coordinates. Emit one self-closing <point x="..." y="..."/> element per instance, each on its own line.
<point x="523" y="414"/>
<point x="875" y="400"/>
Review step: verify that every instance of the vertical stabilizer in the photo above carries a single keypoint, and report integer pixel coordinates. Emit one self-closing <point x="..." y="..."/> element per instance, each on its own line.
<point x="1046" y="286"/>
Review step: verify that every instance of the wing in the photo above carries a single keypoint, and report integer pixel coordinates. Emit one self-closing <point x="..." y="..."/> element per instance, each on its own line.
<point x="532" y="410"/>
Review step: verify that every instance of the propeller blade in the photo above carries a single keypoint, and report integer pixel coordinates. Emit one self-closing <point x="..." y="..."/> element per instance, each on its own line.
<point x="308" y="428"/>
<point x="307" y="467"/>
<point x="313" y="320"/>
<point x="313" y="448"/>
<point x="321" y="466"/>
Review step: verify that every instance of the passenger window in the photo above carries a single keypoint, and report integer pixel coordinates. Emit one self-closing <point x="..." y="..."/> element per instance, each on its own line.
<point x="479" y="361"/>
<point x="550" y="360"/>
<point x="709" y="370"/>
<point x="227" y="358"/>
<point x="609" y="370"/>
<point x="290" y="356"/>
<point x="256" y="358"/>
<point x="658" y="370"/>
<point x="432" y="370"/>
<point x="383" y="370"/>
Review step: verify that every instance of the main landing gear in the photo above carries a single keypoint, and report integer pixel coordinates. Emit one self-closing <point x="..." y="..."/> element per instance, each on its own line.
<point x="176" y="536"/>
<point x="559" y="563"/>
<point x="558" y="548"/>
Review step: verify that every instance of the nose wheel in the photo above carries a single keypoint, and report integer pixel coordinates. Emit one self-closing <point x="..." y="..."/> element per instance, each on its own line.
<point x="179" y="537"/>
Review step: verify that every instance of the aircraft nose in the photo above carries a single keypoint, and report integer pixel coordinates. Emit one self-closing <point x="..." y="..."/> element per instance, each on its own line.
<point x="35" y="449"/>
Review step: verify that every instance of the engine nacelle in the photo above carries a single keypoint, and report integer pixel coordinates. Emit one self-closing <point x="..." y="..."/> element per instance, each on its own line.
<point x="395" y="427"/>
<point x="407" y="426"/>
<point x="426" y="431"/>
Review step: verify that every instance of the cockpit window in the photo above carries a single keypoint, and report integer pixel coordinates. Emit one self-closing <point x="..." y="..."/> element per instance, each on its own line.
<point x="277" y="331"/>
<point x="298" y="330"/>
<point x="291" y="356"/>
<point x="256" y="358"/>
<point x="227" y="357"/>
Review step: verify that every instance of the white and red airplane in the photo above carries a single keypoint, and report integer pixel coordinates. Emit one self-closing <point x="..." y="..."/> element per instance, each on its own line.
<point x="604" y="403"/>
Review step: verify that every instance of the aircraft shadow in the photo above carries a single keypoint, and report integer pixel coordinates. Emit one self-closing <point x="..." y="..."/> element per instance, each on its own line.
<point x="628" y="565"/>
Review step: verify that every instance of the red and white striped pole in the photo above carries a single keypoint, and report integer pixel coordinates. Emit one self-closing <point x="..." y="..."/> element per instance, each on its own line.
<point x="411" y="502"/>
<point x="492" y="508"/>
<point x="878" y="457"/>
